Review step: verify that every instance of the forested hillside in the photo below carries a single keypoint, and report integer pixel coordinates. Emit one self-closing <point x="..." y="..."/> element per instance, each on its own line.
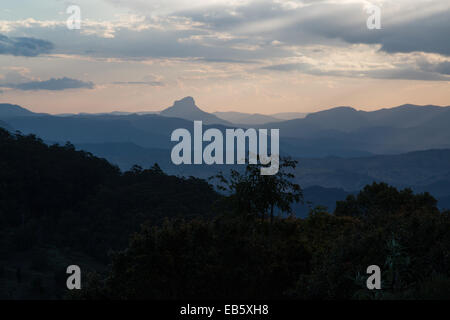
<point x="59" y="205"/>
<point x="143" y="234"/>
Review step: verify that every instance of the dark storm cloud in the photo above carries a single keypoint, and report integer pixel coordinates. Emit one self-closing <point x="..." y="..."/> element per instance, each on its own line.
<point x="442" y="67"/>
<point x="22" y="46"/>
<point x="52" y="85"/>
<point x="430" y="34"/>
<point x="322" y="22"/>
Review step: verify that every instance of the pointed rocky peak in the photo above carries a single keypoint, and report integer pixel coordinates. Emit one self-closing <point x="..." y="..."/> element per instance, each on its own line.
<point x="187" y="109"/>
<point x="182" y="107"/>
<point x="187" y="102"/>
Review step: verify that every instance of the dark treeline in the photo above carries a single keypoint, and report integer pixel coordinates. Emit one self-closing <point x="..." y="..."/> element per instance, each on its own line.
<point x="59" y="206"/>
<point x="143" y="234"/>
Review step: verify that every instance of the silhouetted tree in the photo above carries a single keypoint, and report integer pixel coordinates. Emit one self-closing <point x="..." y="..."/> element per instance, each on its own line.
<point x="380" y="199"/>
<point x="259" y="195"/>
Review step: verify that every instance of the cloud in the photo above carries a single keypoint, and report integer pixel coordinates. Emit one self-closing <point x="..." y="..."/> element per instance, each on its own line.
<point x="53" y="84"/>
<point x="242" y="36"/>
<point x="22" y="46"/>
<point x="440" y="67"/>
<point x="407" y="25"/>
<point x="224" y="60"/>
<point x="146" y="83"/>
<point x="419" y="67"/>
<point x="245" y="29"/>
<point x="423" y="34"/>
<point x="407" y="74"/>
<point x="152" y="80"/>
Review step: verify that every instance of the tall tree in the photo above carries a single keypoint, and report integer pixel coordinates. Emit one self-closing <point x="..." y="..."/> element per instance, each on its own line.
<point x="260" y="195"/>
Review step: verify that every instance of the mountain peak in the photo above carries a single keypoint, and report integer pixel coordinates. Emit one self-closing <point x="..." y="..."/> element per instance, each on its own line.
<point x="187" y="109"/>
<point x="186" y="101"/>
<point x="11" y="110"/>
<point x="184" y="105"/>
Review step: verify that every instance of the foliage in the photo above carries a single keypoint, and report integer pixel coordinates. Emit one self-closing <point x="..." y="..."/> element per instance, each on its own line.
<point x="54" y="196"/>
<point x="314" y="258"/>
<point x="59" y="206"/>
<point x="255" y="195"/>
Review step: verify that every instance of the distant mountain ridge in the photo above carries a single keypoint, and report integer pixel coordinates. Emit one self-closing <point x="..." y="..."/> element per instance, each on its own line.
<point x="348" y="119"/>
<point x="289" y="115"/>
<point x="12" y="110"/>
<point x="325" y="180"/>
<point x="187" y="109"/>
<point x="340" y="148"/>
<point x="341" y="131"/>
<point x="397" y="130"/>
<point x="245" y="118"/>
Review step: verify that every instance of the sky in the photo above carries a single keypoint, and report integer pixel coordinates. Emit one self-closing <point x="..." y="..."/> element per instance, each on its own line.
<point x="255" y="56"/>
